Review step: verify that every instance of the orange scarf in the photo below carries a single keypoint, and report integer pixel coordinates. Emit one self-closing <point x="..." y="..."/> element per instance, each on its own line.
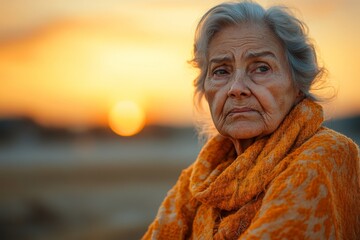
<point x="301" y="181"/>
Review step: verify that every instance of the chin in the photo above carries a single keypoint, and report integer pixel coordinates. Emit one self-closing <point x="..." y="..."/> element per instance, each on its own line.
<point x="241" y="133"/>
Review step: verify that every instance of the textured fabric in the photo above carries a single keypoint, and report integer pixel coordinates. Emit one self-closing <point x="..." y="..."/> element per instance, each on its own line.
<point x="301" y="182"/>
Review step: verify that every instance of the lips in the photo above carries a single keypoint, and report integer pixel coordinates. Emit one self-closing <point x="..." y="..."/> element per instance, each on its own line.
<point x="240" y="110"/>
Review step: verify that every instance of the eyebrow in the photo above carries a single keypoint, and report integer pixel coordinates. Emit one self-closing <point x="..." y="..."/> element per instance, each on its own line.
<point x="247" y="55"/>
<point x="220" y="59"/>
<point x="252" y="54"/>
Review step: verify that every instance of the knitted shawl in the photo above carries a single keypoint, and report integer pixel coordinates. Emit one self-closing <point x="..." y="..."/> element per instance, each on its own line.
<point x="300" y="182"/>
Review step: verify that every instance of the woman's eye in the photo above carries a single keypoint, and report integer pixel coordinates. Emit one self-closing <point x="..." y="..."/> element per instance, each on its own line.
<point x="220" y="72"/>
<point x="262" y="69"/>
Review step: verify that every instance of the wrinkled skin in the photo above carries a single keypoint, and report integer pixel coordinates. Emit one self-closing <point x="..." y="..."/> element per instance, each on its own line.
<point x="249" y="87"/>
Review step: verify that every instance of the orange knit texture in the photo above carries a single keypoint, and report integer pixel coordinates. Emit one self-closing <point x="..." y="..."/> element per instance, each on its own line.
<point x="301" y="182"/>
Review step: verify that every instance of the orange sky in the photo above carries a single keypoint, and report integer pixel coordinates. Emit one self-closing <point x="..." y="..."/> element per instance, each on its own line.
<point x="68" y="63"/>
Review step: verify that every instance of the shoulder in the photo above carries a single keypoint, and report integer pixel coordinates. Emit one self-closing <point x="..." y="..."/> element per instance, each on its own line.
<point x="328" y="137"/>
<point x="328" y="144"/>
<point x="329" y="157"/>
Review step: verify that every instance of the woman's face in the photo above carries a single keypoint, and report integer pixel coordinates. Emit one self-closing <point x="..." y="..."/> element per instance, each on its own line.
<point x="248" y="85"/>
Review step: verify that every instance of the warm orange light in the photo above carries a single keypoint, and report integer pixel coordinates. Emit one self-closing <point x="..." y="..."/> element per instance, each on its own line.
<point x="126" y="118"/>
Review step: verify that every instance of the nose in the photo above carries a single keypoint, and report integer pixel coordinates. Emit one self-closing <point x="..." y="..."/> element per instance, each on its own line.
<point x="238" y="87"/>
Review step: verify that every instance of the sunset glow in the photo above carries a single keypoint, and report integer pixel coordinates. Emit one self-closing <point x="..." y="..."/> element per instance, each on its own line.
<point x="68" y="71"/>
<point x="126" y="118"/>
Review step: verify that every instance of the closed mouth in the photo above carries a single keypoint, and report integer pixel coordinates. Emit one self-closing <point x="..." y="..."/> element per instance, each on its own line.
<point x="240" y="110"/>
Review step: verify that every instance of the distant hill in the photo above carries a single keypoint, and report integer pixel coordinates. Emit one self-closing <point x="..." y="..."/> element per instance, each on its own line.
<point x="349" y="126"/>
<point x="24" y="129"/>
<point x="13" y="130"/>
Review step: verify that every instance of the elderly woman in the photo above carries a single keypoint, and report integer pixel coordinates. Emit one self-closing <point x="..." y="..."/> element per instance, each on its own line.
<point x="272" y="171"/>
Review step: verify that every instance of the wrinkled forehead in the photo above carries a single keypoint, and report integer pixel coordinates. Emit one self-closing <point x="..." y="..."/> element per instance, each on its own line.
<point x="248" y="39"/>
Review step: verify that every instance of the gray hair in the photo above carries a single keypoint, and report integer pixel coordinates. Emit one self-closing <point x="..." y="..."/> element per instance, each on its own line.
<point x="292" y="32"/>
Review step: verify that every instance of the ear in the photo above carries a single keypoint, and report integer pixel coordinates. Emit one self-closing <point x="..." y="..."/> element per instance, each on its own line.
<point x="299" y="96"/>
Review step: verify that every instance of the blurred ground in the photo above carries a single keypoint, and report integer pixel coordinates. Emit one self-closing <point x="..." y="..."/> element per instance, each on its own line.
<point x="93" y="186"/>
<point x="88" y="187"/>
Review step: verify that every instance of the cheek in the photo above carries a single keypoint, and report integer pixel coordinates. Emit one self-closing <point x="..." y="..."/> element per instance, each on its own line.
<point x="274" y="98"/>
<point x="216" y="99"/>
<point x="265" y="95"/>
<point x="286" y="97"/>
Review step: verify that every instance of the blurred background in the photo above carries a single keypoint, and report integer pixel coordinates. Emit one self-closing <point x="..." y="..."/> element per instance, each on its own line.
<point x="96" y="113"/>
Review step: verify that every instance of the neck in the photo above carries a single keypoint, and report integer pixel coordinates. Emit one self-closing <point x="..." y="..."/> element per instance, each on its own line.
<point x="242" y="144"/>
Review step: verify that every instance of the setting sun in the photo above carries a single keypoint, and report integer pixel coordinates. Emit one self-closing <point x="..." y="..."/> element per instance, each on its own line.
<point x="126" y="118"/>
<point x="65" y="70"/>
